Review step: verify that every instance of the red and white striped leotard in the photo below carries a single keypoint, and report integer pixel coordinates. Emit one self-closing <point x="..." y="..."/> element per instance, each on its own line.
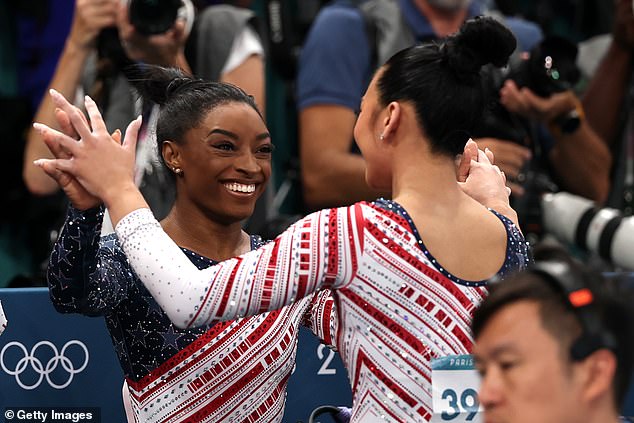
<point x="397" y="306"/>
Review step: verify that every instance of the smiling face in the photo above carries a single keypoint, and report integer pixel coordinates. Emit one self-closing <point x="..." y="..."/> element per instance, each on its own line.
<point x="526" y="377"/>
<point x="226" y="162"/>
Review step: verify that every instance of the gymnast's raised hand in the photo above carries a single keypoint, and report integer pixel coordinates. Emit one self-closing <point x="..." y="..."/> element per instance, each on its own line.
<point x="98" y="160"/>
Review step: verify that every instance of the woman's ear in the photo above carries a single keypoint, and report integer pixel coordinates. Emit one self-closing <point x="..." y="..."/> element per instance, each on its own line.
<point x="391" y="120"/>
<point x="171" y="155"/>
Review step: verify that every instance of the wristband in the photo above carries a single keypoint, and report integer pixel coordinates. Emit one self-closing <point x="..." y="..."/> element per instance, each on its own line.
<point x="568" y="123"/>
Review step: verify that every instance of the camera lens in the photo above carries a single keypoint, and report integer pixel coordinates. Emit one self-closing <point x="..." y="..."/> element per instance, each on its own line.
<point x="153" y="16"/>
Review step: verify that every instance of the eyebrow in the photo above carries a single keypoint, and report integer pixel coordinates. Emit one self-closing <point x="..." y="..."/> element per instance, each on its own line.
<point x="223" y="132"/>
<point x="497" y="351"/>
<point x="234" y="136"/>
<point x="263" y="136"/>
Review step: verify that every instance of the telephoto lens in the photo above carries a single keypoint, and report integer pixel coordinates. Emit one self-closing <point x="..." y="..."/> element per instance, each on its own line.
<point x="151" y="17"/>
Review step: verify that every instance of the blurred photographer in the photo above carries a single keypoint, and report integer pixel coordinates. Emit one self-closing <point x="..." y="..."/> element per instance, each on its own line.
<point x="608" y="103"/>
<point x="578" y="158"/>
<point x="108" y="35"/>
<point x="539" y="134"/>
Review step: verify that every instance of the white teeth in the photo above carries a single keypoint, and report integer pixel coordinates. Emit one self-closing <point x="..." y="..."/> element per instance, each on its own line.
<point x="240" y="187"/>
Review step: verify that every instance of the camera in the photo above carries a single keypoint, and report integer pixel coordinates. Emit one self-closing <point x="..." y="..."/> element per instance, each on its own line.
<point x="550" y="68"/>
<point x="153" y="16"/>
<point x="580" y="222"/>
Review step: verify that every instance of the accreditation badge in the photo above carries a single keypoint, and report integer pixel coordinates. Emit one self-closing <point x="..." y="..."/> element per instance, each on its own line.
<point x="455" y="384"/>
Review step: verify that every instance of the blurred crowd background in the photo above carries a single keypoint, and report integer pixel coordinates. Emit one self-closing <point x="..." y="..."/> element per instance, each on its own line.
<point x="33" y="34"/>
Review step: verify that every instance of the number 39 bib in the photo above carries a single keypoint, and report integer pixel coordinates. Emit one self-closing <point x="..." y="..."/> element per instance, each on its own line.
<point x="455" y="384"/>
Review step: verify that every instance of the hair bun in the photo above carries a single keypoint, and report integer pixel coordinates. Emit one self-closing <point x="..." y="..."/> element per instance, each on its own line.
<point x="155" y="83"/>
<point x="480" y="41"/>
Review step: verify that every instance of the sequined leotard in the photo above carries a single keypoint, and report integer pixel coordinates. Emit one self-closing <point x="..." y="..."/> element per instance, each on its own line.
<point x="397" y="306"/>
<point x="231" y="372"/>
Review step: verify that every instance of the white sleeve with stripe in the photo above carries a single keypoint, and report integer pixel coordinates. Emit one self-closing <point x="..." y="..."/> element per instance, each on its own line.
<point x="320" y="251"/>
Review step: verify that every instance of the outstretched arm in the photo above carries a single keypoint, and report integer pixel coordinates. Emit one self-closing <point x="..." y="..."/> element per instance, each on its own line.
<point x="320" y="251"/>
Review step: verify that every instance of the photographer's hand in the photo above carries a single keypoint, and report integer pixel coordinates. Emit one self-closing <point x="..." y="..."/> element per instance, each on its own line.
<point x="580" y="159"/>
<point x="91" y="16"/>
<point x="167" y="49"/>
<point x="524" y="102"/>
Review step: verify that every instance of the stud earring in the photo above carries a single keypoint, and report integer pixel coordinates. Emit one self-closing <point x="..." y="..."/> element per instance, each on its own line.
<point x="178" y="171"/>
<point x="381" y="137"/>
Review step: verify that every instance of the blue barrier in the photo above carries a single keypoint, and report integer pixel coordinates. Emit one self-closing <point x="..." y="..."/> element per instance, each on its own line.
<point x="319" y="379"/>
<point x="91" y="377"/>
<point x="86" y="373"/>
<point x="48" y="359"/>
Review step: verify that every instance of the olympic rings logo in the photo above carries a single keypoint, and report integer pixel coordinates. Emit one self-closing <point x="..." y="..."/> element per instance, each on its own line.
<point x="44" y="371"/>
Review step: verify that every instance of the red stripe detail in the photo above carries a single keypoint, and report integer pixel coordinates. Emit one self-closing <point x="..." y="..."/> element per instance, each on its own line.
<point x="195" y="346"/>
<point x="228" y="287"/>
<point x="270" y="277"/>
<point x="333" y="250"/>
<point x="388" y="323"/>
<point x="325" y="321"/>
<point x="364" y="360"/>
<point x="183" y="354"/>
<point x="239" y="385"/>
<point x="442" y="335"/>
<point x="421" y="267"/>
<point x="270" y="322"/>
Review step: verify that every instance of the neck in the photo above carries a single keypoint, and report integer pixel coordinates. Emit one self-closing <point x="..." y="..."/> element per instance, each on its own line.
<point x="444" y="22"/>
<point x="601" y="416"/>
<point x="191" y="228"/>
<point x="598" y="410"/>
<point x="422" y="178"/>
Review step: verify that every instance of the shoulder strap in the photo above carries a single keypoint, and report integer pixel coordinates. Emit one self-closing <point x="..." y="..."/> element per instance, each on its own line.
<point x="387" y="31"/>
<point x="215" y="29"/>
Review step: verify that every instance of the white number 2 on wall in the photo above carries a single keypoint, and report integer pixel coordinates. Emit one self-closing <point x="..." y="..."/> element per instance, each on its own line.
<point x="324" y="369"/>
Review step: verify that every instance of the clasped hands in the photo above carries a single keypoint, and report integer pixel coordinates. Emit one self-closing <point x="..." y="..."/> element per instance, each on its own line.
<point x="91" y="165"/>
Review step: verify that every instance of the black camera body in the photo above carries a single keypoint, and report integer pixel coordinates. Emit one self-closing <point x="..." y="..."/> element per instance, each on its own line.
<point x="550" y="68"/>
<point x="151" y="17"/>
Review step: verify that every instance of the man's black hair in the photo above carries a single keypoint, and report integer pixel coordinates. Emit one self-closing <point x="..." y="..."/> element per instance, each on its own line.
<point x="613" y="304"/>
